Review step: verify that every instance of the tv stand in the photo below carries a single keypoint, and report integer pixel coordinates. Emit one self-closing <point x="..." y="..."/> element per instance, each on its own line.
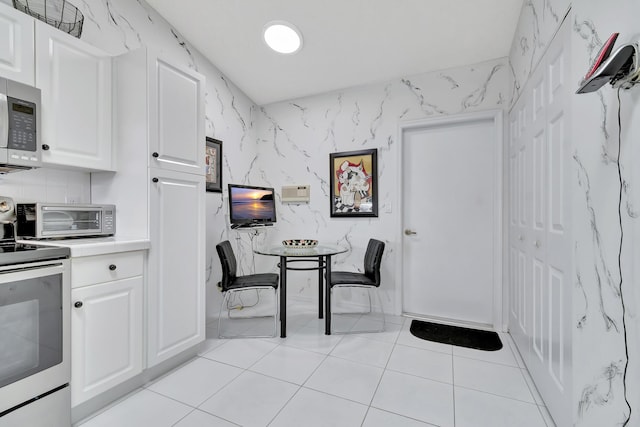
<point x="251" y="225"/>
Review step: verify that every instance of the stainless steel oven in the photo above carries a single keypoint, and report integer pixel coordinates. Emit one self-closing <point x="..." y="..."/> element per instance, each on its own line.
<point x="35" y="349"/>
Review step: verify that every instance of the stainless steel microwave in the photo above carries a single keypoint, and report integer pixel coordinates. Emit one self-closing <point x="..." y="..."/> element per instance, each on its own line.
<point x="19" y="126"/>
<point x="58" y="221"/>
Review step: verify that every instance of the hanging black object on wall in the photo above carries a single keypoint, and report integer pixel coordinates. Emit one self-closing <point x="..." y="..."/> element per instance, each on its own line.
<point x="620" y="68"/>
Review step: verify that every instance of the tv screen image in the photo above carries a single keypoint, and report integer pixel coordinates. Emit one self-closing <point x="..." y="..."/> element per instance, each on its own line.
<point x="251" y="205"/>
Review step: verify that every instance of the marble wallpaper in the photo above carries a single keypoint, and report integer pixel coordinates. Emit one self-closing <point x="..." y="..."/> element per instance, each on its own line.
<point x="539" y="21"/>
<point x="606" y="337"/>
<point x="296" y="137"/>
<point x="606" y="299"/>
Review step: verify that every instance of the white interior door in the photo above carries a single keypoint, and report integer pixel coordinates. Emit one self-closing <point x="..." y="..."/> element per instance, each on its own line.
<point x="451" y="220"/>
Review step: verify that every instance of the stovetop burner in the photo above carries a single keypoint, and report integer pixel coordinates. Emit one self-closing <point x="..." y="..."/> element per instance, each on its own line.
<point x="19" y="253"/>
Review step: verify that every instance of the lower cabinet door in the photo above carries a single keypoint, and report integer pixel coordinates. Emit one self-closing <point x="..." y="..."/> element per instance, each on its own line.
<point x="176" y="282"/>
<point x="106" y="336"/>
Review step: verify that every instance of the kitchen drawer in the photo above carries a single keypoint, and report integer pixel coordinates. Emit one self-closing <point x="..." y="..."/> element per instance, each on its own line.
<point x="105" y="268"/>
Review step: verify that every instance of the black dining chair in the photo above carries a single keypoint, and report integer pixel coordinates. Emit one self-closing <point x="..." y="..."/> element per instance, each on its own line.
<point x="369" y="279"/>
<point x="231" y="283"/>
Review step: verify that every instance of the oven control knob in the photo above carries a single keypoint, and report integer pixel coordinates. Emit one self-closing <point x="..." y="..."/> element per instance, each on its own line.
<point x="112" y="267"/>
<point x="78" y="304"/>
<point x="156" y="155"/>
<point x="45" y="147"/>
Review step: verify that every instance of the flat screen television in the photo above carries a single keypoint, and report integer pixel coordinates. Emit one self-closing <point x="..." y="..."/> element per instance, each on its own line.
<point x="250" y="205"/>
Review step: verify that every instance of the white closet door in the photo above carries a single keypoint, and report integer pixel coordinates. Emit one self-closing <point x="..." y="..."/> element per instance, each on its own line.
<point x="540" y="237"/>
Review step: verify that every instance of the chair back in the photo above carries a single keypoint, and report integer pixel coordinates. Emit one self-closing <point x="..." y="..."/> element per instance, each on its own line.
<point x="373" y="259"/>
<point x="229" y="265"/>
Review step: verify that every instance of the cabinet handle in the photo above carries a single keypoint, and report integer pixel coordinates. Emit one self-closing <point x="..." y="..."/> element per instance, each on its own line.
<point x="155" y="179"/>
<point x="112" y="267"/>
<point x="78" y="304"/>
<point x="537" y="244"/>
<point x="45" y="147"/>
<point x="155" y="154"/>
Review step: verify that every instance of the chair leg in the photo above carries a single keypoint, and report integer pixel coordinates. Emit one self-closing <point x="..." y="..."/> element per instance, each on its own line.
<point x="369" y="290"/>
<point x="226" y="298"/>
<point x="276" y="313"/>
<point x="379" y="298"/>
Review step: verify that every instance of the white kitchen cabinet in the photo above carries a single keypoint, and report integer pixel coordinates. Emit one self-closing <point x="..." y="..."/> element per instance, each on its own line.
<point x="106" y="322"/>
<point x="176" y="111"/>
<point x="176" y="264"/>
<point x="75" y="79"/>
<point x="16" y="46"/>
<point x="160" y="109"/>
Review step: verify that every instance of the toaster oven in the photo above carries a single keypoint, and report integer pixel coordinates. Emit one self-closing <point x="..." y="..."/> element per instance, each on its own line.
<point x="62" y="221"/>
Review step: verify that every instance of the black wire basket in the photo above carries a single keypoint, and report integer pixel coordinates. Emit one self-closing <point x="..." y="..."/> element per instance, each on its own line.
<point x="57" y="13"/>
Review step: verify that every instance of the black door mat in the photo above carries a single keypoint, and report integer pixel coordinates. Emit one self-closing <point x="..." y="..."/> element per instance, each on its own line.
<point x="456" y="335"/>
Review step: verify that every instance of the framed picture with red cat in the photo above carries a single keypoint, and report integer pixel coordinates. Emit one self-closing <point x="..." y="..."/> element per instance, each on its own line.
<point x="354" y="183"/>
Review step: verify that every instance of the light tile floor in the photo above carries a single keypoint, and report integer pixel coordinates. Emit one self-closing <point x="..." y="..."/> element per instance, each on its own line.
<point x="310" y="379"/>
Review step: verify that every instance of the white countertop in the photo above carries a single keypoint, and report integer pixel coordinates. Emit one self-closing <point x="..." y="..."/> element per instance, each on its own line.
<point x="96" y="245"/>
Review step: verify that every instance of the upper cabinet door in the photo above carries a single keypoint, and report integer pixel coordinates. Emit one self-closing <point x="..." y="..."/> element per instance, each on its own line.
<point x="16" y="46"/>
<point x="176" y="117"/>
<point x="75" y="79"/>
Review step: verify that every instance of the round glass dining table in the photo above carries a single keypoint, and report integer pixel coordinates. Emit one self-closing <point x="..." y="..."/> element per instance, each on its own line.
<point x="315" y="258"/>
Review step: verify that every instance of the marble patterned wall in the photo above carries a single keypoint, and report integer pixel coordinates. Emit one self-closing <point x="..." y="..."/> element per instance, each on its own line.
<point x="606" y="298"/>
<point x="297" y="136"/>
<point x="118" y="26"/>
<point x="606" y="337"/>
<point x="539" y="21"/>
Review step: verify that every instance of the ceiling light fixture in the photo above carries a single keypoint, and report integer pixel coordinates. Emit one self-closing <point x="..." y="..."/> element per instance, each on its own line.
<point x="282" y="37"/>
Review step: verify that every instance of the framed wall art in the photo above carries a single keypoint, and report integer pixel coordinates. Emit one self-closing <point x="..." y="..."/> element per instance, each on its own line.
<point x="213" y="165"/>
<point x="354" y="183"/>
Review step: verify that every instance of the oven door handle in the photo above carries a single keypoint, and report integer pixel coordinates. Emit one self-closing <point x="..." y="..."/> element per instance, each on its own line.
<point x="27" y="267"/>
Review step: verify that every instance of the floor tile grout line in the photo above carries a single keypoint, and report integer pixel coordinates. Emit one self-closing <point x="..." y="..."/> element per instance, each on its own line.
<point x="297" y="391"/>
<point x="488" y="361"/>
<point x="403" y="416"/>
<point x="497" y="395"/>
<point x="284" y="406"/>
<point x="248" y="369"/>
<point x="395" y="371"/>
<point x="208" y="413"/>
<point x="534" y="393"/>
<point x="209" y="396"/>
<point x="544" y="418"/>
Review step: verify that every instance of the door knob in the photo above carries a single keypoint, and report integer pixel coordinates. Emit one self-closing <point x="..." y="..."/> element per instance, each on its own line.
<point x="408" y="232"/>
<point x="156" y="155"/>
<point x="112" y="267"/>
<point x="78" y="304"/>
<point x="154" y="179"/>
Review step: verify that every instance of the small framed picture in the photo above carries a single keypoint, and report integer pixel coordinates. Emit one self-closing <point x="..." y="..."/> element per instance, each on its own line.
<point x="354" y="183"/>
<point x="213" y="165"/>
